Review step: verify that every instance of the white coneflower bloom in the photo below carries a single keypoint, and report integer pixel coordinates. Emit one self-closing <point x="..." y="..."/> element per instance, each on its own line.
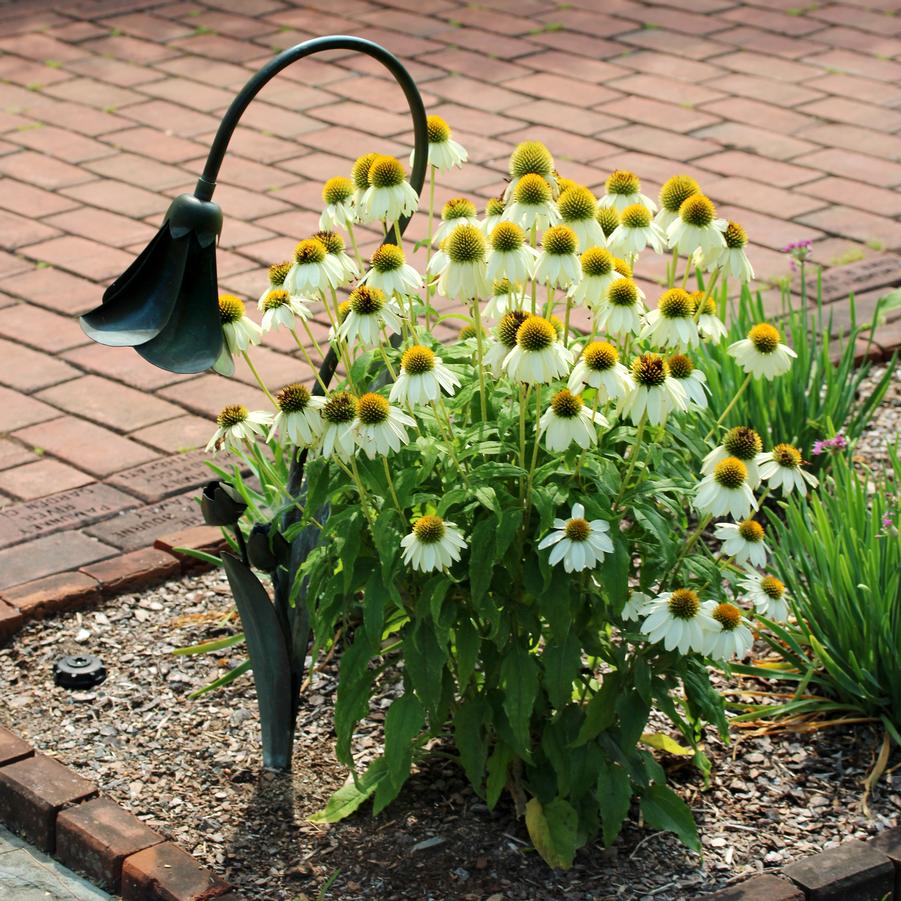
<point x="503" y="298"/>
<point x="697" y="227"/>
<point x="578" y="209"/>
<point x="672" y="323"/>
<point x="568" y="420"/>
<point x="370" y="312"/>
<point x="761" y="354"/>
<point x="743" y="541"/>
<point x="599" y="368"/>
<point x="299" y="415"/>
<point x="710" y="325"/>
<point x="533" y="204"/>
<point x="580" y="544"/>
<point x="732" y="258"/>
<point x="343" y="313"/>
<point x="389" y="196"/>
<point x="380" y="428"/>
<point x="464" y="274"/>
<point x="511" y="256"/>
<point x="338" y="197"/>
<point x="679" y="621"/>
<point x="742" y="443"/>
<point x="310" y="273"/>
<point x="781" y="468"/>
<point x="673" y="194"/>
<point x="359" y="175"/>
<point x="692" y="380"/>
<point x="730" y="635"/>
<point x="654" y="391"/>
<point x="558" y="263"/>
<point x="531" y="158"/>
<point x="238" y="331"/>
<point x="457" y="211"/>
<point x="623" y="189"/>
<point x="391" y="273"/>
<point x="277" y="273"/>
<point x="598" y="273"/>
<point x="726" y="491"/>
<point x="235" y="427"/>
<point x="767" y="594"/>
<point x="338" y="414"/>
<point x="444" y="152"/>
<point x="279" y="308"/>
<point x="494" y="215"/>
<point x="636" y="606"/>
<point x="422" y="376"/>
<point x="539" y="356"/>
<point x="635" y="231"/>
<point x="344" y="266"/>
<point x="621" y="310"/>
<point x="505" y="340"/>
<point x="433" y="544"/>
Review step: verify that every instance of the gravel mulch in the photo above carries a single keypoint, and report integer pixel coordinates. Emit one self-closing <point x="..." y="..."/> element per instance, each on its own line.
<point x="885" y="427"/>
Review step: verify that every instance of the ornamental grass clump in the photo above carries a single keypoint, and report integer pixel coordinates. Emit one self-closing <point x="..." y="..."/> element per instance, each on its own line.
<point x="510" y="522"/>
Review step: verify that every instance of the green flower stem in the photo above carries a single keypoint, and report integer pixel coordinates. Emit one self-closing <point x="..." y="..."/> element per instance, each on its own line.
<point x="537" y="441"/>
<point x="741" y="390"/>
<point x="672" y="269"/>
<point x="480" y="344"/>
<point x="707" y="294"/>
<point x="309" y="331"/>
<point x="549" y="306"/>
<point x="353" y="243"/>
<point x="354" y="475"/>
<point x="428" y="253"/>
<point x="391" y="487"/>
<point x="523" y="401"/>
<point x="686" y="548"/>
<point x="257" y="376"/>
<point x="306" y="356"/>
<point x="687" y="271"/>
<point x="533" y="238"/>
<point x="569" y="306"/>
<point x="446" y="429"/>
<point x="594" y="410"/>
<point x="633" y="459"/>
<point x="384" y="354"/>
<point x="343" y="349"/>
<point x="398" y="236"/>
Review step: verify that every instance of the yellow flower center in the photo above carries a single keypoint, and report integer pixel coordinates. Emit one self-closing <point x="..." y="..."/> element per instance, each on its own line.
<point x="366" y="301"/>
<point x="343" y="310"/>
<point x="700" y="297"/>
<point x="577" y="529"/>
<point x="278" y="272"/>
<point x="623" y="182"/>
<point x="340" y="408"/>
<point x="565" y="404"/>
<point x="764" y="337"/>
<point x="508" y="327"/>
<point x="622" y="293"/>
<point x="360" y="171"/>
<point x="532" y="190"/>
<point x="558" y="325"/>
<point x="577" y="204"/>
<point x="372" y="409"/>
<point x="676" y="191"/>
<point x="417" y="360"/>
<point x="466" y="244"/>
<point x="231" y="415"/>
<point x="622" y="267"/>
<point x="507" y="237"/>
<point x="429" y="529"/>
<point x="772" y="587"/>
<point x="728" y="616"/>
<point x="331" y="241"/>
<point x="751" y="530"/>
<point x="535" y="334"/>
<point x="386" y="172"/>
<point x="501" y="287"/>
<point x="597" y="261"/>
<point x="468" y="331"/>
<point x="787" y="456"/>
<point x="310" y="250"/>
<point x="680" y="366"/>
<point x="684" y="603"/>
<point x="439" y="130"/>
<point x="293" y="398"/>
<point x="531" y="158"/>
<point x="337" y="190"/>
<point x="608" y="219"/>
<point x="458" y="208"/>
<point x="231" y="308"/>
<point x="736" y="237"/>
<point x="675" y="304"/>
<point x="697" y="210"/>
<point x="636" y="216"/>
<point x="560" y="240"/>
<point x="730" y="473"/>
<point x="600" y="356"/>
<point x="388" y="258"/>
<point x="495" y="206"/>
<point x="276" y="298"/>
<point x="742" y="442"/>
<point x="650" y="370"/>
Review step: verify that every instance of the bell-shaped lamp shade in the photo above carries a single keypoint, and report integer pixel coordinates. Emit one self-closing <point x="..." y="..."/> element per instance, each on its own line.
<point x="166" y="303"/>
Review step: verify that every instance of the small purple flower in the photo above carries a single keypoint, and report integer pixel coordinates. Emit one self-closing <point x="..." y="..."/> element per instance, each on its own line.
<point x="799" y="250"/>
<point x="818" y="448"/>
<point x="836" y="442"/>
<point x="887" y="521"/>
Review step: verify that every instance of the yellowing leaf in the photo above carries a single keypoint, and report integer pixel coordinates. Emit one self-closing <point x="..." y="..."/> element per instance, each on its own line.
<point x="553" y="829"/>
<point x="664" y="743"/>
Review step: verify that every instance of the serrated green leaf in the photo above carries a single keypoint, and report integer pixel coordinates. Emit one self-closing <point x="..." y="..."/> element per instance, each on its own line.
<point x="662" y="808"/>
<point x="403" y="722"/>
<point x="519" y="679"/>
<point x="561" y="660"/>
<point x="614" y="792"/>
<point x="470" y="738"/>
<point x="554" y="830"/>
<point x="352" y="794"/>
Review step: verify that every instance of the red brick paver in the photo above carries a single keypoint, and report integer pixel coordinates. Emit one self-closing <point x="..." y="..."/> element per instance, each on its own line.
<point x="790" y="117"/>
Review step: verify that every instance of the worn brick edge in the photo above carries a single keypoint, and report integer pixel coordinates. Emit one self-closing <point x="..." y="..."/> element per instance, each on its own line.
<point x="95" y="583"/>
<point x="142" y="874"/>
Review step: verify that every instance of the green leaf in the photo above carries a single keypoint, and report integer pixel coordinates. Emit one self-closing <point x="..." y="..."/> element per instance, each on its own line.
<point x="424" y="661"/>
<point x="561" y="660"/>
<point x="354" y="687"/>
<point x="374" y="603"/>
<point x="614" y="793"/>
<point x="470" y="738"/>
<point x="661" y="742"/>
<point x="498" y="765"/>
<point x="600" y="713"/>
<point x="466" y="644"/>
<point x="554" y="830"/>
<point x="614" y="571"/>
<point x="519" y="679"/>
<point x="352" y="794"/>
<point x="217" y="644"/>
<point x="662" y="808"/>
<point x="222" y="681"/>
<point x="481" y="558"/>
<point x="403" y="723"/>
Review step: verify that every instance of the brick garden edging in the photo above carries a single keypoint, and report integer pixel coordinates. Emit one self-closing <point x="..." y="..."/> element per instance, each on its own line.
<point x="61" y="813"/>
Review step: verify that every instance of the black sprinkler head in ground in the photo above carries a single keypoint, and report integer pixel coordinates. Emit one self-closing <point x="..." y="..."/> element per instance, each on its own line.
<point x="79" y="671"/>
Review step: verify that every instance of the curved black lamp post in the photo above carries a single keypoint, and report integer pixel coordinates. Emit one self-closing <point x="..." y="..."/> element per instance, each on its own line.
<point x="165" y="305"/>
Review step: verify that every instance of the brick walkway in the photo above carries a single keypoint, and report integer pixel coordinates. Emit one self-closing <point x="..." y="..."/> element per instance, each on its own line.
<point x="791" y="119"/>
